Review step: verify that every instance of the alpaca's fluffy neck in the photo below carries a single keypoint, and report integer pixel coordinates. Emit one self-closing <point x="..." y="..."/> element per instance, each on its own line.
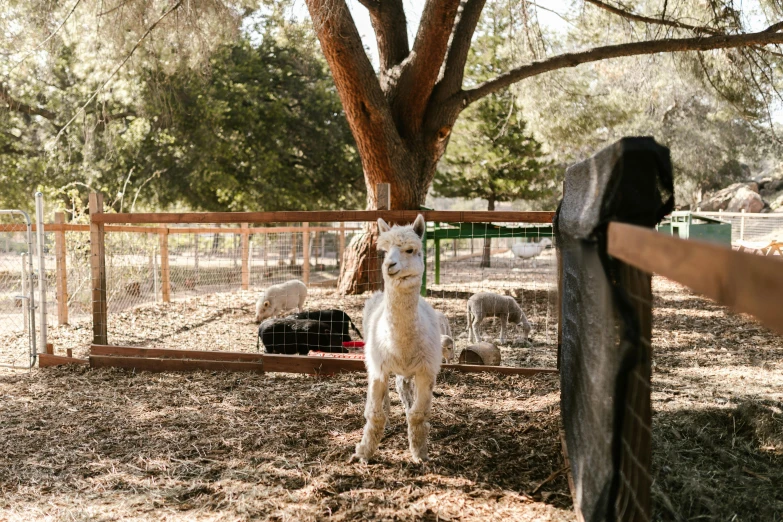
<point x="402" y="305"/>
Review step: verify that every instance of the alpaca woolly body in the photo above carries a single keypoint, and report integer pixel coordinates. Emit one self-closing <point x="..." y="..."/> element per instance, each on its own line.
<point x="402" y="336"/>
<point x="397" y="329"/>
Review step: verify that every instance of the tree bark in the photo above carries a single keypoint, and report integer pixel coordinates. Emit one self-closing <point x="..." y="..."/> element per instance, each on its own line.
<point x="402" y="121"/>
<point x="485" y="256"/>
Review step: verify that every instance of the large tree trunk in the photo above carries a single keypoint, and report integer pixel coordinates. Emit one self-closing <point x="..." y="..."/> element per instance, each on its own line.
<point x="361" y="269"/>
<point x="401" y="118"/>
<point x="485" y="256"/>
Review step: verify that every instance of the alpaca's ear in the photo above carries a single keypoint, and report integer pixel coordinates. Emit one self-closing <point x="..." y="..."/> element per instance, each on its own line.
<point x="383" y="226"/>
<point x="419" y="226"/>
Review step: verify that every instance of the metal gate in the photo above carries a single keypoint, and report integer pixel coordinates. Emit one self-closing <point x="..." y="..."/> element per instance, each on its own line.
<point x="17" y="287"/>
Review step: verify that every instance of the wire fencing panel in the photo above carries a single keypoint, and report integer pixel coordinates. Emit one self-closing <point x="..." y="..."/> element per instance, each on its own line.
<point x="751" y="227"/>
<point x="17" y="286"/>
<point x="197" y="286"/>
<point x="605" y="352"/>
<point x="509" y="259"/>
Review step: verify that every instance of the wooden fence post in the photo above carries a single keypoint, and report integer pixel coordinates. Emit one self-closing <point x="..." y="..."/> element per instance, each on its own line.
<point x="383" y="191"/>
<point x="341" y="247"/>
<point x="195" y="259"/>
<point x="62" y="275"/>
<point x="306" y="253"/>
<point x="293" y="248"/>
<point x="245" y="257"/>
<point x="165" y="276"/>
<point x="98" y="272"/>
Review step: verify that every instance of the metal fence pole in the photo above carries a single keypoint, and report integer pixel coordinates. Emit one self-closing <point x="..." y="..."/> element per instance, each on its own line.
<point x="39" y="212"/>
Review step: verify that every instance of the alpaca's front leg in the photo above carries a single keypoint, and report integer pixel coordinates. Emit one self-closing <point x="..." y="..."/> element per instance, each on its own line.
<point x="419" y="416"/>
<point x="375" y="413"/>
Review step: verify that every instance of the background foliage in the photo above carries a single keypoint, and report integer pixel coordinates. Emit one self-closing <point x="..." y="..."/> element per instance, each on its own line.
<point x="229" y="105"/>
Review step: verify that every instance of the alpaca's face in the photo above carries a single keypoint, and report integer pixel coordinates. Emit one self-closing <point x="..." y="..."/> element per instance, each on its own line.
<point x="403" y="261"/>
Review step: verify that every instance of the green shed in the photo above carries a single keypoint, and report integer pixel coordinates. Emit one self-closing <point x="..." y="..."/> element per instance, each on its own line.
<point x="692" y="225"/>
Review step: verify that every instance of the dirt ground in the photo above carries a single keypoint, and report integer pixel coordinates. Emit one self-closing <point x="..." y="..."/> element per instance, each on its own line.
<point x="106" y="445"/>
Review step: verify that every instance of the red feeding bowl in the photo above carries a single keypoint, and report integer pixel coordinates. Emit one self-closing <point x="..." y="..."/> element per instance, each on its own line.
<point x="353" y="344"/>
<point x="359" y="356"/>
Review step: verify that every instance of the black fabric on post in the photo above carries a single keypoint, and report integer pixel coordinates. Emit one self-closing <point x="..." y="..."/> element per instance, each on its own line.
<point x="606" y="311"/>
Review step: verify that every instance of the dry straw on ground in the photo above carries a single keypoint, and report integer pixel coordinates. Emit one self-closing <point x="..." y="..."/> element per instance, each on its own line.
<point x="106" y="445"/>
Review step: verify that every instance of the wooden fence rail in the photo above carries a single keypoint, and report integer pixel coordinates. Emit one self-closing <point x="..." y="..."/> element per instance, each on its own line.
<point x="60" y="228"/>
<point x="745" y="282"/>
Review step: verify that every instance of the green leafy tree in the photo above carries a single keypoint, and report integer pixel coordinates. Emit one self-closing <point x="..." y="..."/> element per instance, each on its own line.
<point x="263" y="129"/>
<point x="221" y="124"/>
<point x="491" y="155"/>
<point x="493" y="158"/>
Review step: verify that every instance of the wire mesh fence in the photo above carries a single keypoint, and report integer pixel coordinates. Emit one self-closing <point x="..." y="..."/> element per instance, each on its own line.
<point x="751" y="227"/>
<point x="17" y="288"/>
<point x="197" y="286"/>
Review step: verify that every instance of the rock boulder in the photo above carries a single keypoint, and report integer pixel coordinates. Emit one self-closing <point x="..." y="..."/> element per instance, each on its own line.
<point x="735" y="198"/>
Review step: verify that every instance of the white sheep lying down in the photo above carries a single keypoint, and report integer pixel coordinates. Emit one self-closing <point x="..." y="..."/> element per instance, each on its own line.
<point x="281" y="298"/>
<point x="487" y="304"/>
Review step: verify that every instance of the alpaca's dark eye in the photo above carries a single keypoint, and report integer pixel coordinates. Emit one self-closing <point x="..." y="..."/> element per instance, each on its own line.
<point x="409" y="251"/>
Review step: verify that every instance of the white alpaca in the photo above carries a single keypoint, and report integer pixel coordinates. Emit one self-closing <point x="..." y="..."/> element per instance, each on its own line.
<point x="402" y="336"/>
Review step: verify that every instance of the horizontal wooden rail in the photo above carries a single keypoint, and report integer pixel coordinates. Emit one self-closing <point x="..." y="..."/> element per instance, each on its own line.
<point x="165" y="353"/>
<point x="60" y="227"/>
<point x="160" y="359"/>
<point x="46" y="360"/>
<point x="745" y="282"/>
<point x="327" y="216"/>
<point x="151" y="364"/>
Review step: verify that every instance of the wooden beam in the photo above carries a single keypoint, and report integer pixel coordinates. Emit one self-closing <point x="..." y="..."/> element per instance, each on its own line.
<point x="745" y="282"/>
<point x="164" y="353"/>
<point x="98" y="270"/>
<point x="46" y="360"/>
<point x="341" y="245"/>
<point x="70" y="227"/>
<point x="173" y="365"/>
<point x="165" y="275"/>
<point x="311" y="365"/>
<point x="397" y="216"/>
<point x="383" y="196"/>
<point x="505" y="370"/>
<point x="61" y="273"/>
<point x="245" y="257"/>
<point x="306" y="253"/>
<point x="271" y="362"/>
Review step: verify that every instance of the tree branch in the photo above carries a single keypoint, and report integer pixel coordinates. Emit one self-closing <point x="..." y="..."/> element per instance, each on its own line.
<point x="657" y="21"/>
<point x="420" y="73"/>
<point x="454" y="70"/>
<point x="615" y="51"/>
<point x="119" y="66"/>
<point x="17" y="106"/>
<point x="774" y="28"/>
<point x="366" y="108"/>
<point x="53" y="33"/>
<point x="391" y="31"/>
